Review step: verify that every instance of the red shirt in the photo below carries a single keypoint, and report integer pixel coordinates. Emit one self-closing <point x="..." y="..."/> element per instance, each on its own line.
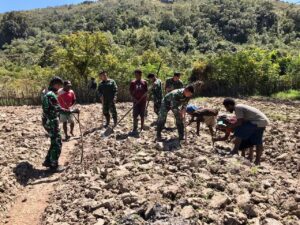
<point x="66" y="99"/>
<point x="138" y="88"/>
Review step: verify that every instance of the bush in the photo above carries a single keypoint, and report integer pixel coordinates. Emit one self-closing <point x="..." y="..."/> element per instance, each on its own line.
<point x="288" y="95"/>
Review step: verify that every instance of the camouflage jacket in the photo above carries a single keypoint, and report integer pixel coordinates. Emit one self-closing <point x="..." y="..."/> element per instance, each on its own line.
<point x="176" y="98"/>
<point x="173" y="85"/>
<point x="157" y="91"/>
<point x="50" y="105"/>
<point x="108" y="89"/>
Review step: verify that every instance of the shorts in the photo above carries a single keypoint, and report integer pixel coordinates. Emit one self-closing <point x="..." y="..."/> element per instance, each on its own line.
<point x="139" y="109"/>
<point x="210" y="121"/>
<point x="245" y="144"/>
<point x="66" y="118"/>
<point x="250" y="133"/>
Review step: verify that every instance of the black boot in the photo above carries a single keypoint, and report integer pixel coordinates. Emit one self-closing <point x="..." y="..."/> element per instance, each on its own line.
<point x="107" y="117"/>
<point x="115" y="121"/>
<point x="158" y="131"/>
<point x="180" y="128"/>
<point x="47" y="162"/>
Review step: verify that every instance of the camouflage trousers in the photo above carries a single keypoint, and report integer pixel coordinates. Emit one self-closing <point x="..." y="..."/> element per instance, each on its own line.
<point x="52" y="127"/>
<point x="157" y="105"/>
<point x="110" y="107"/>
<point x="163" y="113"/>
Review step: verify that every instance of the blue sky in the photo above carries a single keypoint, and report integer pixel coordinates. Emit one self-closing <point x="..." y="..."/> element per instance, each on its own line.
<point x="10" y="5"/>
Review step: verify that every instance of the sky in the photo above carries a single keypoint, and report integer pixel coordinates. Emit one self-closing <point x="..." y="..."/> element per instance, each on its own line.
<point x="15" y="5"/>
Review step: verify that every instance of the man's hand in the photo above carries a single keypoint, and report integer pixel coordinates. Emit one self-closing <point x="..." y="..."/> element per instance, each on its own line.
<point x="75" y="111"/>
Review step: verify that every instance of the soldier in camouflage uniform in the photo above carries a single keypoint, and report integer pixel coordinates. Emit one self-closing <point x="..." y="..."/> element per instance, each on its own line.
<point x="172" y="101"/>
<point x="50" y="120"/>
<point x="157" y="92"/>
<point x="108" y="90"/>
<point x="173" y="83"/>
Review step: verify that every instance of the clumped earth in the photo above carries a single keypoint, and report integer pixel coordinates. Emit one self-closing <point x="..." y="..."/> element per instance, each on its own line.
<point x="20" y="138"/>
<point x="133" y="180"/>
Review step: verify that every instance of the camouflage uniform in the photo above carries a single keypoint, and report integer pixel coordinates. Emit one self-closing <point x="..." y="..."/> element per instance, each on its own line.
<point x="173" y="85"/>
<point x="157" y="94"/>
<point x="172" y="101"/>
<point x="50" y="121"/>
<point x="109" y="89"/>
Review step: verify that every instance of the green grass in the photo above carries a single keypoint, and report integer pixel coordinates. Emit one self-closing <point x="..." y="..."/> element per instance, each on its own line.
<point x="288" y="95"/>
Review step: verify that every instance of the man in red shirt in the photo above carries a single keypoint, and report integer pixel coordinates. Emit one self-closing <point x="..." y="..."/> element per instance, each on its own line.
<point x="67" y="99"/>
<point x="138" y="91"/>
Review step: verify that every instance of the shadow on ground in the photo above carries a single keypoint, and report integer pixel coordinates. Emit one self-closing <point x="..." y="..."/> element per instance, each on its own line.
<point x="25" y="173"/>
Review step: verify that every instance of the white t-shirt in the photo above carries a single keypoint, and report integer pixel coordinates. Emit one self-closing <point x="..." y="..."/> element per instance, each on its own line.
<point x="251" y="114"/>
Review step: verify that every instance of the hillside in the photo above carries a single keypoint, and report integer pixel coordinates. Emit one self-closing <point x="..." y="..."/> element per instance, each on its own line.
<point x="143" y="33"/>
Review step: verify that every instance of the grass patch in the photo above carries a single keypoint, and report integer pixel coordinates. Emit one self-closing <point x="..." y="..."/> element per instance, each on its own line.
<point x="288" y="95"/>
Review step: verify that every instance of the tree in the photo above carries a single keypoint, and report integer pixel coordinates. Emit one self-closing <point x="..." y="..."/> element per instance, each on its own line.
<point x="81" y="53"/>
<point x="13" y="25"/>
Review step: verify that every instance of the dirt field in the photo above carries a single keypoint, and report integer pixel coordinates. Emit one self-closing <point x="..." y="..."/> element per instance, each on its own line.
<point x="133" y="180"/>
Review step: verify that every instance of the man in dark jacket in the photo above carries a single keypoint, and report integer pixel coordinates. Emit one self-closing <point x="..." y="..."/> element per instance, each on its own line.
<point x="173" y="83"/>
<point x="108" y="91"/>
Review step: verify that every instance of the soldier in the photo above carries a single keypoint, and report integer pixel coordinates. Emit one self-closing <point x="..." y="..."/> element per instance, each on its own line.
<point x="173" y="83"/>
<point x="138" y="91"/>
<point x="172" y="101"/>
<point x="108" y="90"/>
<point x="157" y="92"/>
<point x="50" y="121"/>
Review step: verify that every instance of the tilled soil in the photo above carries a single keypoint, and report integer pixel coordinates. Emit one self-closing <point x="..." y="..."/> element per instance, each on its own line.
<point x="21" y="136"/>
<point x="25" y="184"/>
<point x="133" y="180"/>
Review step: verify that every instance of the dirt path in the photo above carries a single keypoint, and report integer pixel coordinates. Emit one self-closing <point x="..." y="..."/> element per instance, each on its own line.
<point x="32" y="201"/>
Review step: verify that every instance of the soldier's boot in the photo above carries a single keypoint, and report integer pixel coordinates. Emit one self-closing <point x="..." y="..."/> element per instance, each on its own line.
<point x="107" y="117"/>
<point x="54" y="164"/>
<point x="142" y="123"/>
<point x="158" y="131"/>
<point x="47" y="162"/>
<point x="115" y="121"/>
<point x="56" y="168"/>
<point x="180" y="128"/>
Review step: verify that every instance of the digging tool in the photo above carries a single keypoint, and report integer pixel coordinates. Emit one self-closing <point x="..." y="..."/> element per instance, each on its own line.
<point x="110" y="130"/>
<point x="157" y="73"/>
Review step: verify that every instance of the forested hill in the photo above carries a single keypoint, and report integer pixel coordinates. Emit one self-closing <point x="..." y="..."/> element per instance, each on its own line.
<point x="193" y="36"/>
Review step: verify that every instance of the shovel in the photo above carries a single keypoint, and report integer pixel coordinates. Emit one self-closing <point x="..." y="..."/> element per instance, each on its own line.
<point x="110" y="130"/>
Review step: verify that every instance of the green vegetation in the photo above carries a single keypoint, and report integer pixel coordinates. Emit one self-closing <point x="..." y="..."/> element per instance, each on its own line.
<point x="237" y="47"/>
<point x="288" y="95"/>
